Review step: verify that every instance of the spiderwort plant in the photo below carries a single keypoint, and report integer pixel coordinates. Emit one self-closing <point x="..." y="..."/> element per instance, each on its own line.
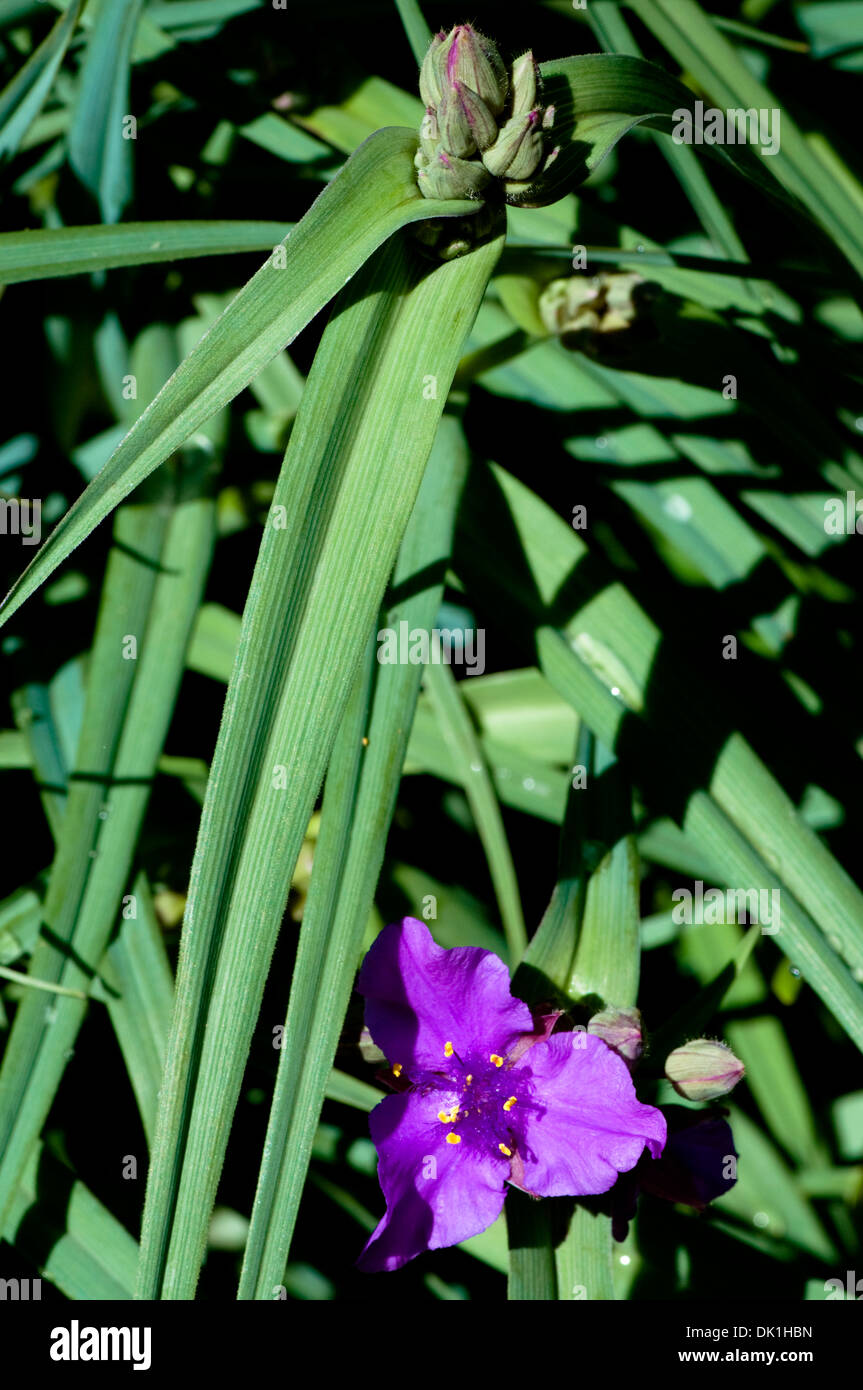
<point x="402" y="243"/>
<point x="487" y="1099"/>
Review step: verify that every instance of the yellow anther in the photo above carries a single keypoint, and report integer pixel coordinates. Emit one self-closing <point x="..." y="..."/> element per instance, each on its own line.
<point x="505" y="1151"/>
<point x="444" y="1117"/>
<point x="453" y="1138"/>
<point x="498" y="1061"/>
<point x="397" y="1069"/>
<point x="453" y="1114"/>
<point x="508" y="1104"/>
<point x="468" y="1079"/>
<point x="448" y="1049"/>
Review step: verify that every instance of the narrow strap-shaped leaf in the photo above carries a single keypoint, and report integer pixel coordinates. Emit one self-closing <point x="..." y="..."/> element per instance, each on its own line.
<point x="100" y="143"/>
<point x="532" y="1269"/>
<point x="378" y="188"/>
<point x="597" y="99"/>
<point x="586" y="948"/>
<point x="340" y="508"/>
<point x="40" y="254"/>
<point x="415" y="27"/>
<point x="66" y="1232"/>
<point x="156" y="574"/>
<point x="22" y="100"/>
<point x="612" y="31"/>
<point x="694" y="41"/>
<point x="464" y="746"/>
<point x="330" y="946"/>
<point x="139" y="995"/>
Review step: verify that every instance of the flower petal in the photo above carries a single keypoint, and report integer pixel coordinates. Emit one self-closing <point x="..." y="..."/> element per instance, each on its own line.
<point x="436" y="1193"/>
<point x="588" y="1125"/>
<point x="421" y="996"/>
<point x="695" y="1167"/>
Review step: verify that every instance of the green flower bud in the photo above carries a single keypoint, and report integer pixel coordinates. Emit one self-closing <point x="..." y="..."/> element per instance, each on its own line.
<point x="517" y="151"/>
<point x="472" y="59"/>
<point x="446" y="176"/>
<point x="621" y="1030"/>
<point x="466" y="124"/>
<point x="433" y="72"/>
<point x="703" y="1069"/>
<point x="568" y="305"/>
<point x="429" y="138"/>
<point x="524" y="84"/>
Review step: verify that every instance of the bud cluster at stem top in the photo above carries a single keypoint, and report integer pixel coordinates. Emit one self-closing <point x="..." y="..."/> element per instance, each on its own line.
<point x="481" y="121"/>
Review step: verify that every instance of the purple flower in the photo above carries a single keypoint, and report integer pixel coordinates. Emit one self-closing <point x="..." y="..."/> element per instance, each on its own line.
<point x="489" y="1099"/>
<point x="699" y="1164"/>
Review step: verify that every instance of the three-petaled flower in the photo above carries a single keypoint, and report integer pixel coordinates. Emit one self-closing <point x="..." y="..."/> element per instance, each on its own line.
<point x="488" y="1099"/>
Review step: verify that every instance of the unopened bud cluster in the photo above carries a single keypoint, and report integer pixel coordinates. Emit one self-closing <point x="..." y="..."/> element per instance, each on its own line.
<point x="579" y="307"/>
<point x="482" y="122"/>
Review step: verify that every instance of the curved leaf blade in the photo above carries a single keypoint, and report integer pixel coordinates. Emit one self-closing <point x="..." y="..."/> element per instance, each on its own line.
<point x="321" y="254"/>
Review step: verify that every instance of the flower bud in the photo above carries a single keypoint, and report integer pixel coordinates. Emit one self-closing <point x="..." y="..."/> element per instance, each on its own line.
<point x="472" y="59"/>
<point x="524" y="76"/>
<point x="620" y="1029"/>
<point x="433" y="71"/>
<point x="466" y="124"/>
<point x="703" y="1069"/>
<point x="446" y="176"/>
<point x="429" y="138"/>
<point x="517" y="151"/>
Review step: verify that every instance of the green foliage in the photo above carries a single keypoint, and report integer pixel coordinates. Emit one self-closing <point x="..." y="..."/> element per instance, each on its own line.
<point x="218" y="793"/>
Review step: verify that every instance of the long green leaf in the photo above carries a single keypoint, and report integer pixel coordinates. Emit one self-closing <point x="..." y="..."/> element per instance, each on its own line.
<point x="466" y="751"/>
<point x="100" y="140"/>
<point x="153" y="588"/>
<point x="330" y="943"/>
<point x="694" y="41"/>
<point x="378" y="189"/>
<point x="22" y="100"/>
<point x="342" y="502"/>
<point x="39" y="255"/>
<point x="73" y="1240"/>
<point x="597" y="99"/>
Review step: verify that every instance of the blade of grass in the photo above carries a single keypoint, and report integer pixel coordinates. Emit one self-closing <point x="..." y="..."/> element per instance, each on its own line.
<point x="137" y="987"/>
<point x="324" y="250"/>
<point x="100" y="145"/>
<point x="135" y="967"/>
<point x="613" y="33"/>
<point x="73" y="1240"/>
<point x="342" y="502"/>
<point x="417" y="31"/>
<point x="40" y="254"/>
<point x="155" y="578"/>
<point x="22" y="100"/>
<point x="693" y="40"/>
<point x="331" y="943"/>
<point x="466" y="751"/>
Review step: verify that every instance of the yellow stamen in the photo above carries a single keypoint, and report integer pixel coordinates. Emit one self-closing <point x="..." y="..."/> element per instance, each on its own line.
<point x="453" y="1138"/>
<point x="453" y="1114"/>
<point x="397" y="1069"/>
<point x="504" y="1150"/>
<point x="508" y="1104"/>
<point x="468" y="1079"/>
<point x="444" y="1118"/>
<point x="448" y="1049"/>
<point x="498" y="1061"/>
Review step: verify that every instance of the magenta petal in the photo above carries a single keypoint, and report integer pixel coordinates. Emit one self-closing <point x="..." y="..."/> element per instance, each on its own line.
<point x="436" y="1193"/>
<point x="421" y="996"/>
<point x="586" y="1125"/>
